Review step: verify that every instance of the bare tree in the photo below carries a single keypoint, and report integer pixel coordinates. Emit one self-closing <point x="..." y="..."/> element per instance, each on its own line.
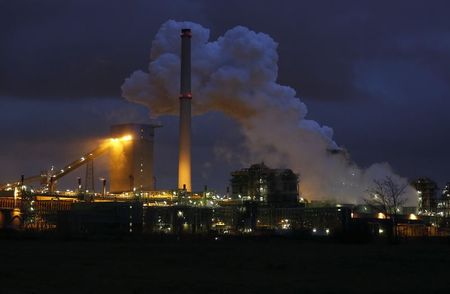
<point x="387" y="196"/>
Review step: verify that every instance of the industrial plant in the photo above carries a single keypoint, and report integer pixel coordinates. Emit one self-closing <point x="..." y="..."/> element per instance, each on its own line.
<point x="262" y="199"/>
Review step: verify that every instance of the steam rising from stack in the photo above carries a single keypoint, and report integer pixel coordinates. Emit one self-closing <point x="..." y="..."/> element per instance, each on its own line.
<point x="237" y="75"/>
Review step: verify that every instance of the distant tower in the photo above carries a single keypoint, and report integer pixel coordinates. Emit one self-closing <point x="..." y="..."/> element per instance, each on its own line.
<point x="184" y="160"/>
<point x="131" y="158"/>
<point x="427" y="195"/>
<point x="89" y="177"/>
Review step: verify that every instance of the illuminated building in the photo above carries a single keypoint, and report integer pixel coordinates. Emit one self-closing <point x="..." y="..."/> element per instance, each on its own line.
<point x="102" y="217"/>
<point x="427" y="195"/>
<point x="444" y="205"/>
<point x="131" y="159"/>
<point x="263" y="184"/>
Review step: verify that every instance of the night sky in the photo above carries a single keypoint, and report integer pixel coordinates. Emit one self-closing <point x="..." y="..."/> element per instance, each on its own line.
<point x="377" y="72"/>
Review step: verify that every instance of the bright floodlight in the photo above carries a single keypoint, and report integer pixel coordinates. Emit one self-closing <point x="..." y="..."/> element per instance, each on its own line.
<point x="126" y="138"/>
<point x="122" y="139"/>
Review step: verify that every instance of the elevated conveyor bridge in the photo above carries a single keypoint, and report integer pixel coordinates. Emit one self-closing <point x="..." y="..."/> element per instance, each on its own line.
<point x="49" y="179"/>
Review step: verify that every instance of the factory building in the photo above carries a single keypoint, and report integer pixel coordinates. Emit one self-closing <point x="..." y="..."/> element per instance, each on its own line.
<point x="247" y="218"/>
<point x="427" y="195"/>
<point x="131" y="160"/>
<point x="263" y="200"/>
<point x="444" y="203"/>
<point x="101" y="218"/>
<point x="263" y="184"/>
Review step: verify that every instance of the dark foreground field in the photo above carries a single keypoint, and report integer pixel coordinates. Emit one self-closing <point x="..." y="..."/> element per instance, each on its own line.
<point x="223" y="266"/>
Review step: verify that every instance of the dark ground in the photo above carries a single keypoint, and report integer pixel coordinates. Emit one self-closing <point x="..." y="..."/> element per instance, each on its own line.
<point x="223" y="266"/>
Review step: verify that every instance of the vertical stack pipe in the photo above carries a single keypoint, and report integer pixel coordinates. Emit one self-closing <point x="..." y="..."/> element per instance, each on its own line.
<point x="184" y="160"/>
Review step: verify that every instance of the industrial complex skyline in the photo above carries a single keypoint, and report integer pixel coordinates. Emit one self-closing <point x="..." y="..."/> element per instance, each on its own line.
<point x="224" y="146"/>
<point x="381" y="85"/>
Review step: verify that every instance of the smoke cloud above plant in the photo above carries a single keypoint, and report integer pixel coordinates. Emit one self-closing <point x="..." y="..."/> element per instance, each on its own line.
<point x="237" y="75"/>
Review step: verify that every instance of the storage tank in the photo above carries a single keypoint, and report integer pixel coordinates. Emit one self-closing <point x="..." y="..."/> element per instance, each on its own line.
<point x="131" y="158"/>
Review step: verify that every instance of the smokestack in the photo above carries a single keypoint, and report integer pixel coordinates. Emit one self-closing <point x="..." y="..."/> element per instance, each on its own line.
<point x="184" y="160"/>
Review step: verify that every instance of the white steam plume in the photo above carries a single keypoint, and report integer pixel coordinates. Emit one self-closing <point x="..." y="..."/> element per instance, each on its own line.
<point x="237" y="75"/>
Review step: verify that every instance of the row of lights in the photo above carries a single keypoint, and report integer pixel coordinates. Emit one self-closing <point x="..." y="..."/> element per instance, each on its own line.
<point x="315" y="231"/>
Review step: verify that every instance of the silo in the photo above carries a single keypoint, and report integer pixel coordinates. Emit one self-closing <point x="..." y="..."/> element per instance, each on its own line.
<point x="131" y="158"/>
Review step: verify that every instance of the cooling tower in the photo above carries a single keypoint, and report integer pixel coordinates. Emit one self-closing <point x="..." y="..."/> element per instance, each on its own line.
<point x="131" y="158"/>
<point x="184" y="160"/>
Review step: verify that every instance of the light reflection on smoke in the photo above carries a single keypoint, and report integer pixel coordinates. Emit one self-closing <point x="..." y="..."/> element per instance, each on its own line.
<point x="237" y="75"/>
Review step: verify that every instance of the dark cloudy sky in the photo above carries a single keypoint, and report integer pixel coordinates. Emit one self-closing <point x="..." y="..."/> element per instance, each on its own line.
<point x="378" y="72"/>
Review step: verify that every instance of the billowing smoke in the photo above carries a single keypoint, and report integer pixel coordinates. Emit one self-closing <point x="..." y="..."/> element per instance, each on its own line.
<point x="237" y="75"/>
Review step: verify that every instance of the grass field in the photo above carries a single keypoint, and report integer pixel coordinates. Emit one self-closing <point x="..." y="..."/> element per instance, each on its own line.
<point x="223" y="266"/>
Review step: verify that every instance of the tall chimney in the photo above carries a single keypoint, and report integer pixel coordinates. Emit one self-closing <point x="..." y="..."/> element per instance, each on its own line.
<point x="184" y="160"/>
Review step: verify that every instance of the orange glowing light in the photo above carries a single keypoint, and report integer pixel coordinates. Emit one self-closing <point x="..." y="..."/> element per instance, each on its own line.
<point x="16" y="212"/>
<point x="126" y="138"/>
<point x="381" y="215"/>
<point x="412" y="216"/>
<point x="122" y="139"/>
